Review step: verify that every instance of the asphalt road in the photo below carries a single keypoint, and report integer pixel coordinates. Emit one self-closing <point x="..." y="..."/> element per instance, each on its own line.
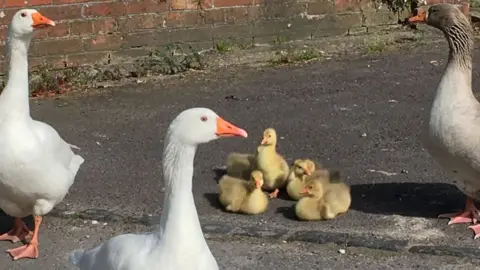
<point x="362" y="116"/>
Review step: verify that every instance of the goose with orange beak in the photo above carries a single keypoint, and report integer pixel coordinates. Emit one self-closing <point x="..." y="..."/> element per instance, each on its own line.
<point x="273" y="166"/>
<point x="37" y="167"/>
<point x="299" y="172"/>
<point x="452" y="128"/>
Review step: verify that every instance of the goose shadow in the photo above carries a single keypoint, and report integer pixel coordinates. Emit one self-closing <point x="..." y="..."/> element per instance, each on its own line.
<point x="287" y="212"/>
<point x="212" y="198"/>
<point x="426" y="200"/>
<point x="218" y="173"/>
<point x="6" y="222"/>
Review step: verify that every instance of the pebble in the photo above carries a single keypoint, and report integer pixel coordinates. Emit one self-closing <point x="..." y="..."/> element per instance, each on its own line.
<point x="94" y="222"/>
<point x="341" y="251"/>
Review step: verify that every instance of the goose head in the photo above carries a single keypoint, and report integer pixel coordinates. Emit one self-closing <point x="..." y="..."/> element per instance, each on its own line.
<point x="313" y="188"/>
<point x="269" y="137"/>
<point x="303" y="167"/>
<point x="257" y="178"/>
<point x="26" y="23"/>
<point x="440" y="16"/>
<point x="201" y="125"/>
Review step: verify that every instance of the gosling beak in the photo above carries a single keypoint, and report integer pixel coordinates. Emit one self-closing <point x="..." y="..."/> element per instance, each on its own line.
<point x="307" y="172"/>
<point x="257" y="183"/>
<point x="264" y="141"/>
<point x="226" y="129"/>
<point x="304" y="191"/>
<point x="419" y="18"/>
<point x="40" y="21"/>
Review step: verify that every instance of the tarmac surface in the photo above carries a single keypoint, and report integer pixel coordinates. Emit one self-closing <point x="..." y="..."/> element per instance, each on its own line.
<point x="362" y="116"/>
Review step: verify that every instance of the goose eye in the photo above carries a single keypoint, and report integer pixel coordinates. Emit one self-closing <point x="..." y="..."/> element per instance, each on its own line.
<point x="23" y="14"/>
<point x="203" y="118"/>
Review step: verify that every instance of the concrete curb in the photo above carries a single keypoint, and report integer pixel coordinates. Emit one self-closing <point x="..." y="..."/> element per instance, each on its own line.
<point x="346" y="239"/>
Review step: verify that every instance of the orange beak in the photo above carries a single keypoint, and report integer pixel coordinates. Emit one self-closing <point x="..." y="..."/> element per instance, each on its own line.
<point x="226" y="129"/>
<point x="307" y="171"/>
<point x="304" y="191"/>
<point x="40" y="21"/>
<point x="419" y="18"/>
<point x="264" y="141"/>
<point x="257" y="183"/>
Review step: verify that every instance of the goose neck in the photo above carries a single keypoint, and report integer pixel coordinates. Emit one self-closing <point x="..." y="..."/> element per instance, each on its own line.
<point x="460" y="42"/>
<point x="179" y="220"/>
<point x="14" y="97"/>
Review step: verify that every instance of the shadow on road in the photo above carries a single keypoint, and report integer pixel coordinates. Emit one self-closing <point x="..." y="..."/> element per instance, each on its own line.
<point x="407" y="199"/>
<point x="218" y="174"/>
<point x="212" y="198"/>
<point x="6" y="222"/>
<point x="288" y="212"/>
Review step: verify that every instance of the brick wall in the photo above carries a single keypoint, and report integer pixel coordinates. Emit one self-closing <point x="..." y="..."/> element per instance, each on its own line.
<point x="105" y="31"/>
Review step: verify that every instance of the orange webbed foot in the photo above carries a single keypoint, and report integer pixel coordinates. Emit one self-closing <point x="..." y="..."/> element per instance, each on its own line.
<point x="274" y="194"/>
<point x="27" y="251"/>
<point x="469" y="215"/>
<point x="18" y="233"/>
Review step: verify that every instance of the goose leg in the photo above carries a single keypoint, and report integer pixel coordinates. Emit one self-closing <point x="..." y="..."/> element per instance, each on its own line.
<point x="274" y="194"/>
<point x="18" y="233"/>
<point x="476" y="230"/>
<point x="469" y="215"/>
<point x="29" y="250"/>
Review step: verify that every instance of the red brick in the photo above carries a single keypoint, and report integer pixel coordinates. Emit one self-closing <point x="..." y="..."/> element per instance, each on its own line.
<point x="104" y="9"/>
<point x="103" y="43"/>
<point x="140" y="22"/>
<point x="146" y="6"/>
<point x="179" y="4"/>
<point x="105" y="26"/>
<point x="214" y="16"/>
<point x="3" y="35"/>
<point x="236" y="15"/>
<point x="38" y="2"/>
<point x="81" y="28"/>
<point x="231" y="3"/>
<point x="352" y="5"/>
<point x="35" y="62"/>
<point x="57" y="61"/>
<point x="175" y="19"/>
<point x="60" y="46"/>
<point x="75" y="60"/>
<point x="320" y="7"/>
<point x="64" y="1"/>
<point x="42" y="34"/>
<point x="254" y="12"/>
<point x="8" y="16"/>
<point x="194" y="4"/>
<point x="60" y="30"/>
<point x="58" y="13"/>
<point x="15" y="3"/>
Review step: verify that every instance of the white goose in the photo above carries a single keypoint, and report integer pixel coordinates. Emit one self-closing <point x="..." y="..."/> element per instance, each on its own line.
<point x="37" y="167"/>
<point x="453" y="129"/>
<point x="179" y="243"/>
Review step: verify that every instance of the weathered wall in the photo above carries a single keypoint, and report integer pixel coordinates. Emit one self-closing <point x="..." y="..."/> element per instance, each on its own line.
<point x="102" y="31"/>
